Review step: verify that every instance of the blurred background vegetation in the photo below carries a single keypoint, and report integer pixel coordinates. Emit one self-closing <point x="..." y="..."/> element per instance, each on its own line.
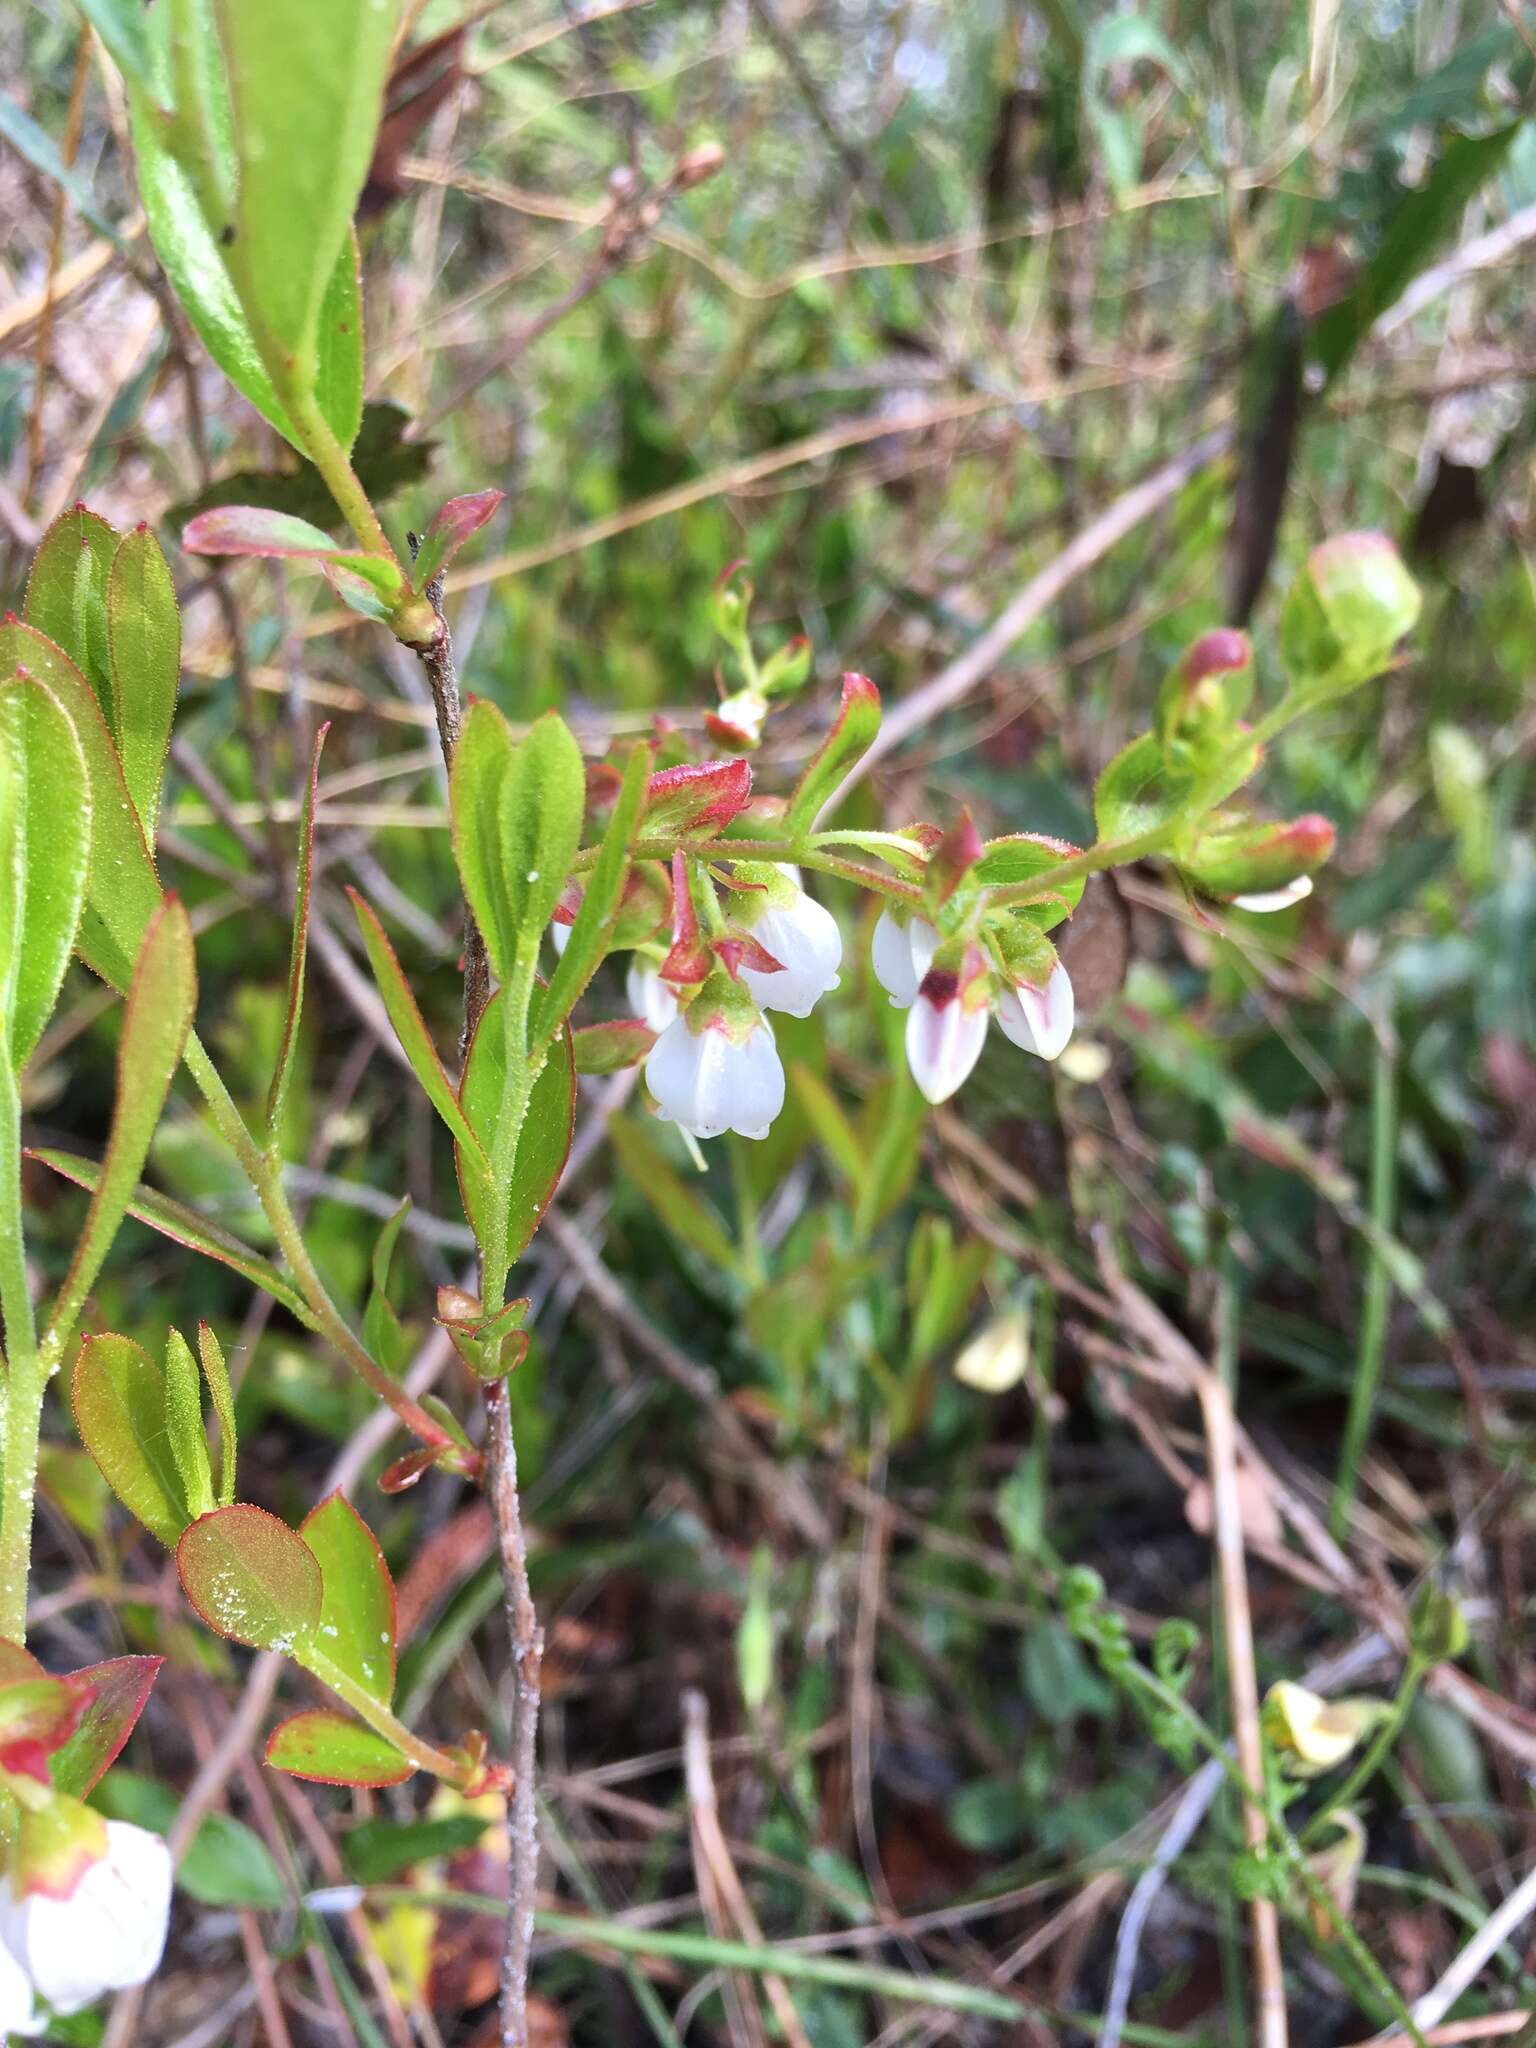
<point x="897" y="301"/>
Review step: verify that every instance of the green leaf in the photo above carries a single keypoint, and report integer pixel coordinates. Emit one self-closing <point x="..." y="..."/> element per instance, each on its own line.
<point x="216" y="1373"/>
<point x="610" y="1047"/>
<point x="375" y="1851"/>
<point x="252" y="530"/>
<point x="517" y="813"/>
<point x="45" y="837"/>
<point x="306" y="86"/>
<point x="228" y="1864"/>
<point x="250" y="1577"/>
<point x="184" y="1226"/>
<point x="851" y="737"/>
<point x="156" y="1020"/>
<point x="184" y="1424"/>
<point x="144" y="659"/>
<point x="122" y="1413"/>
<point x="411" y="1030"/>
<point x="602" y="896"/>
<point x="356" y="1628"/>
<point x="67" y="595"/>
<point x="122" y="889"/>
<point x="1132" y="794"/>
<point x="119" y="1690"/>
<point x="544" y="1144"/>
<point x="277" y="1095"/>
<point x="329" y="1749"/>
<point x="1425" y="218"/>
<point x="384" y="1334"/>
<point x="190" y="253"/>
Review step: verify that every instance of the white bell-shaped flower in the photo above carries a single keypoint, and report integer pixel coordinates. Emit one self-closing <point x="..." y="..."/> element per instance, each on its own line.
<point x="944" y="1038"/>
<point x="107" y="1935"/>
<point x="1276" y="899"/>
<point x="1039" y="1019"/>
<point x="802" y="935"/>
<point x="559" y="936"/>
<point x="724" y="1076"/>
<point x="901" y="954"/>
<point x="648" y="995"/>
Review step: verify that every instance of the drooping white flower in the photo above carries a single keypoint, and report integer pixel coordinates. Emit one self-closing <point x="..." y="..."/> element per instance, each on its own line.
<point x="1039" y="1020"/>
<point x="901" y="954"/>
<point x="1276" y="899"/>
<point x="648" y="995"/>
<point x="559" y="936"/>
<point x="107" y="1935"/>
<point x="997" y="1357"/>
<point x="802" y="935"/>
<point x="944" y="1036"/>
<point x="726" y="1075"/>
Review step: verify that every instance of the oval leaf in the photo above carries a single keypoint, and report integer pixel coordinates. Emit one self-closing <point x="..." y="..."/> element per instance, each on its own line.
<point x="118" y="1395"/>
<point x="45" y="843"/>
<point x="250" y="1577"/>
<point x="331" y="1750"/>
<point x="356" y="1629"/>
<point x="67" y="593"/>
<point x="122" y="889"/>
<point x="545" y="1142"/>
<point x="144" y="660"/>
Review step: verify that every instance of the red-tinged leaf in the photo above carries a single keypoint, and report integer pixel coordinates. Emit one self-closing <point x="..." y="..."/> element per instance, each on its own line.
<point x="38" y="1710"/>
<point x="451" y="526"/>
<point x="119" y="1397"/>
<point x="156" y="1021"/>
<point x="405" y="1472"/>
<point x="610" y="1048"/>
<point x="697" y="799"/>
<point x="122" y="889"/>
<point x="250" y="1577"/>
<point x="277" y="1095"/>
<point x="328" y="1749"/>
<point x="356" y="1629"/>
<point x="118" y="1691"/>
<point x="545" y="1141"/>
<point x="184" y="1226"/>
<point x="256" y="530"/>
<point x="852" y="735"/>
<point x="410" y="1027"/>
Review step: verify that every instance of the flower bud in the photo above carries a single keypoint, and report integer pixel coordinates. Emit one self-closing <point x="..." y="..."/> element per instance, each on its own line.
<point x="1245" y="861"/>
<point x="1202" y="698"/>
<point x="738" y="722"/>
<point x="1346" y="612"/>
<point x="787" y="668"/>
<point x="730" y="602"/>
